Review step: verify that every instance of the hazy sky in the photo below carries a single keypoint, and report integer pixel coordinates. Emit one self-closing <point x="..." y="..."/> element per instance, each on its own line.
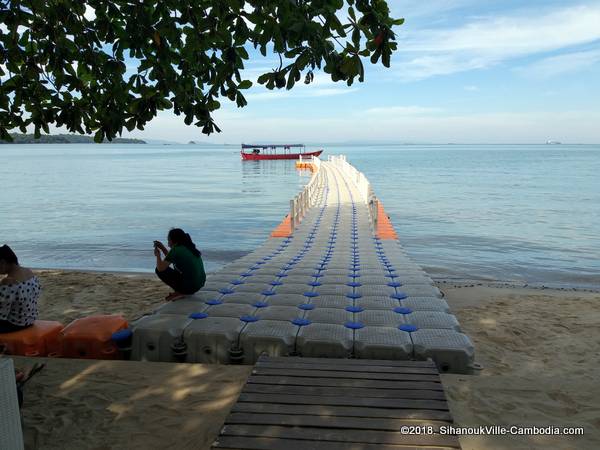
<point x="466" y="71"/>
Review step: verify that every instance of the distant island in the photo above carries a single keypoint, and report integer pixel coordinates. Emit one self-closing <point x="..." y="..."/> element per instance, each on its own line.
<point x="64" y="139"/>
<point x="209" y="144"/>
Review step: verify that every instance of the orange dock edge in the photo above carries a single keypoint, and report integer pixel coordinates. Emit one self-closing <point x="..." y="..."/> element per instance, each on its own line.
<point x="385" y="229"/>
<point x="305" y="165"/>
<point x="284" y="229"/>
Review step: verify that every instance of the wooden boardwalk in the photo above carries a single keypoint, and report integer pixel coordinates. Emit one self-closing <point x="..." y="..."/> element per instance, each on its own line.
<point x="316" y="403"/>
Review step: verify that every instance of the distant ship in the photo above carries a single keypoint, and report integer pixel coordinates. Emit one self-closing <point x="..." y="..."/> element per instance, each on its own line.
<point x="553" y="143"/>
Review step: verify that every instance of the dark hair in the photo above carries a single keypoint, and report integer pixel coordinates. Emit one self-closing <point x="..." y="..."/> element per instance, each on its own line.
<point x="6" y="254"/>
<point x="178" y="236"/>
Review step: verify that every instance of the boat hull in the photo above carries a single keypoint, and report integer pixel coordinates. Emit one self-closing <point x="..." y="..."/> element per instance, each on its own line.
<point x="259" y="157"/>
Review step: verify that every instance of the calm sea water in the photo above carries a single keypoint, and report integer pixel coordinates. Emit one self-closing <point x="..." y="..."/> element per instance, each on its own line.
<point x="515" y="213"/>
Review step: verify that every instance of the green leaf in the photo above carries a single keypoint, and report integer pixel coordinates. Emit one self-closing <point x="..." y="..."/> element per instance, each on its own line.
<point x="351" y="13"/>
<point x="165" y="103"/>
<point x="137" y="58"/>
<point x="263" y="78"/>
<point x="5" y="135"/>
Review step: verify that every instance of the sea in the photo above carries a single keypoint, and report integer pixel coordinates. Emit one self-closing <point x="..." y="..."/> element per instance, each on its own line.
<point x="527" y="214"/>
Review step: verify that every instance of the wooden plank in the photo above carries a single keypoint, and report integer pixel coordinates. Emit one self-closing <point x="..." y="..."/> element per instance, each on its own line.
<point x="348" y="368"/>
<point x="339" y="382"/>
<point x="340" y="392"/>
<point x="347" y="436"/>
<point x="343" y="374"/>
<point x="254" y="443"/>
<point x="344" y="401"/>
<point x="345" y="361"/>
<point x="343" y="411"/>
<point x="353" y="423"/>
<point x="326" y="404"/>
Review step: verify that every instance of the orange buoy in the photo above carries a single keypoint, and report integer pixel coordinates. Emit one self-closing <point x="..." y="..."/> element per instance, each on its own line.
<point x="40" y="339"/>
<point x="90" y="337"/>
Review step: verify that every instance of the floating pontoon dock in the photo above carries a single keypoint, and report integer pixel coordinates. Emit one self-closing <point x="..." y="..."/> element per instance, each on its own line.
<point x="332" y="281"/>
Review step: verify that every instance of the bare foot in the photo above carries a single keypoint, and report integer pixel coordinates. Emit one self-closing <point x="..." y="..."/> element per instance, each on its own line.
<point x="174" y="296"/>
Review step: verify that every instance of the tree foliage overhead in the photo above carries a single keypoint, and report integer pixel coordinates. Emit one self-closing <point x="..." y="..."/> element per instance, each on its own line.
<point x="101" y="66"/>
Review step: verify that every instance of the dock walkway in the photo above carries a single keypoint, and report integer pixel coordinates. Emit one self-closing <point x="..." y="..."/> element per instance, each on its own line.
<point x="314" y="403"/>
<point x="338" y="285"/>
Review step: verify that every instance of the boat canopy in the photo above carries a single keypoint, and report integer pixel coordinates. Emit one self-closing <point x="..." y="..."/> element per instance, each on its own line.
<point x="273" y="146"/>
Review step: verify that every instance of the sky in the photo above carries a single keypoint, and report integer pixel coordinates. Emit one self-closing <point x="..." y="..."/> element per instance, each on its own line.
<point x="466" y="71"/>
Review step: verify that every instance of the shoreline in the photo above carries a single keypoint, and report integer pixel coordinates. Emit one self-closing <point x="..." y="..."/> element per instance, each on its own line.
<point x="446" y="282"/>
<point x="449" y="282"/>
<point x="123" y="273"/>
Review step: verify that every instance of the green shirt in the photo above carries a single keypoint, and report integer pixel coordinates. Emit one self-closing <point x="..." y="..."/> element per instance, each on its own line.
<point x="190" y="266"/>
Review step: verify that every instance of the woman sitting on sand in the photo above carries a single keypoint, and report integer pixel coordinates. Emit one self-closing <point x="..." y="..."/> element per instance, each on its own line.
<point x="187" y="276"/>
<point x="19" y="293"/>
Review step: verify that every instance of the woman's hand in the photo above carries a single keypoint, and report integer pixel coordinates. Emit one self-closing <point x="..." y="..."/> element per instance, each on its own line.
<point x="161" y="264"/>
<point x="161" y="246"/>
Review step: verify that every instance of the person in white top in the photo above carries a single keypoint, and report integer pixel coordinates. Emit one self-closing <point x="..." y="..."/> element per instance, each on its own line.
<point x="19" y="293"/>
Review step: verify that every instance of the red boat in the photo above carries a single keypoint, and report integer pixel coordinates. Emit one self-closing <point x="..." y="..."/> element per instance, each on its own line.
<point x="260" y="152"/>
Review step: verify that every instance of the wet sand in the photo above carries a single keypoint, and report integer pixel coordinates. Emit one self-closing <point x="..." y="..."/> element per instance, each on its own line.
<point x="538" y="348"/>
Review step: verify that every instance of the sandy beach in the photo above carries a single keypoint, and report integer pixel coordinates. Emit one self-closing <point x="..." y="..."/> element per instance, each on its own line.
<point x="539" y="352"/>
<point x="79" y="404"/>
<point x="68" y="295"/>
<point x="538" y="348"/>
